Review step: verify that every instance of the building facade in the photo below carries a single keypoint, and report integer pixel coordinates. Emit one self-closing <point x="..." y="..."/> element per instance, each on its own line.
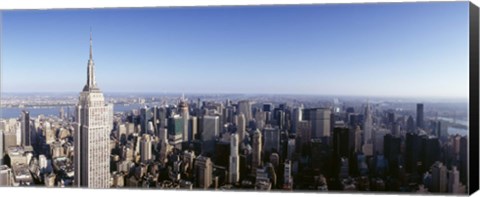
<point x="25" y="126"/>
<point x="93" y="126"/>
<point x="234" y="169"/>
<point x="257" y="151"/>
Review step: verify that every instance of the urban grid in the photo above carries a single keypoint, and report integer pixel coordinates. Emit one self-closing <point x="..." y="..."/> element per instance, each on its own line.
<point x="234" y="142"/>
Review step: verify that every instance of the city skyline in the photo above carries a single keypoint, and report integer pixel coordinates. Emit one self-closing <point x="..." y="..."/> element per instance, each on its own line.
<point x="276" y="122"/>
<point x="133" y="44"/>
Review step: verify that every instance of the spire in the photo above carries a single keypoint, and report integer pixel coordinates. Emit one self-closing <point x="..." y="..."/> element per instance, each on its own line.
<point x="90" y="68"/>
<point x="91" y="51"/>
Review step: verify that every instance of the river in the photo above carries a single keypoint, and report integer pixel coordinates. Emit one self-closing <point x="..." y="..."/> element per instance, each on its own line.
<point x="15" y="112"/>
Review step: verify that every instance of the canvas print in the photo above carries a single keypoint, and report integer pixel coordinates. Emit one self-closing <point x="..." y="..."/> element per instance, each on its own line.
<point x="306" y="98"/>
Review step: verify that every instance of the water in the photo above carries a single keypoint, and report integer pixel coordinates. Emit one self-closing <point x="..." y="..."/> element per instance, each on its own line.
<point x="15" y="112"/>
<point x="462" y="122"/>
<point x="453" y="131"/>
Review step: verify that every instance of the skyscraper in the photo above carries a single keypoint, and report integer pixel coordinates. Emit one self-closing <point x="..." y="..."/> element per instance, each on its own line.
<point x="303" y="132"/>
<point x="420" y="123"/>
<point x="391" y="150"/>
<point x="413" y="150"/>
<point x="257" y="151"/>
<point x="155" y="120"/>
<point x="320" y="122"/>
<point x="271" y="142"/>
<point x="145" y="148"/>
<point x="175" y="130"/>
<point x="162" y="119"/>
<point x="410" y="124"/>
<point x="431" y="151"/>
<point x="145" y="116"/>
<point x="296" y="117"/>
<point x="164" y="145"/>
<point x="209" y="133"/>
<point x="453" y="180"/>
<point x="241" y="127"/>
<point x="343" y="141"/>
<point x="26" y="141"/>
<point x="93" y="126"/>
<point x="368" y="125"/>
<point x="192" y="128"/>
<point x="358" y="139"/>
<point x="287" y="175"/>
<point x="203" y="172"/>
<point x="439" y="178"/>
<point x="9" y="139"/>
<point x="245" y="107"/>
<point x="234" y="170"/>
<point x="183" y="110"/>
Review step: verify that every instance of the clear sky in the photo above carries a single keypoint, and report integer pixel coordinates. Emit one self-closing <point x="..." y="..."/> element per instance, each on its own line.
<point x="408" y="49"/>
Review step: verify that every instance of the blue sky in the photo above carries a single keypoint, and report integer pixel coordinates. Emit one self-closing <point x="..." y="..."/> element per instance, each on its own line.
<point x="408" y="49"/>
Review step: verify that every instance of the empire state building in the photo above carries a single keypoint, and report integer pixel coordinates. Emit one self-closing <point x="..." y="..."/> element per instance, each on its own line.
<point x="94" y="120"/>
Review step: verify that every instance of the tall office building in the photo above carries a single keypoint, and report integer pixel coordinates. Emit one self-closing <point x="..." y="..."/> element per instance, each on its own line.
<point x="25" y="121"/>
<point x="413" y="151"/>
<point x="378" y="137"/>
<point x="241" y="127"/>
<point x="164" y="146"/>
<point x="343" y="142"/>
<point x="162" y="119"/>
<point x="145" y="116"/>
<point x="145" y="148"/>
<point x="18" y="132"/>
<point x="287" y="175"/>
<point x="234" y="170"/>
<point x="453" y="181"/>
<point x="367" y="130"/>
<point x="320" y="122"/>
<point x="175" y="130"/>
<point x="257" y="151"/>
<point x="420" y="123"/>
<point x="431" y="151"/>
<point x="392" y="150"/>
<point x="296" y="117"/>
<point x="410" y="125"/>
<point x="358" y="139"/>
<point x="49" y="133"/>
<point x="245" y="107"/>
<point x="9" y="139"/>
<point x="155" y="120"/>
<point x="304" y="132"/>
<point x="271" y="138"/>
<point x="260" y="117"/>
<point x="291" y="146"/>
<point x="183" y="110"/>
<point x="192" y="128"/>
<point x="203" y="172"/>
<point x="209" y="133"/>
<point x="439" y="178"/>
<point x="93" y="127"/>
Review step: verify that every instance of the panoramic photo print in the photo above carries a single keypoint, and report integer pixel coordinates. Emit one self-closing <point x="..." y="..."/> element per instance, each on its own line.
<point x="306" y="98"/>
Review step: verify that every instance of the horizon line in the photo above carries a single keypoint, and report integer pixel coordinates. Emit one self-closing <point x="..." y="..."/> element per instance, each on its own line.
<point x="243" y="93"/>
